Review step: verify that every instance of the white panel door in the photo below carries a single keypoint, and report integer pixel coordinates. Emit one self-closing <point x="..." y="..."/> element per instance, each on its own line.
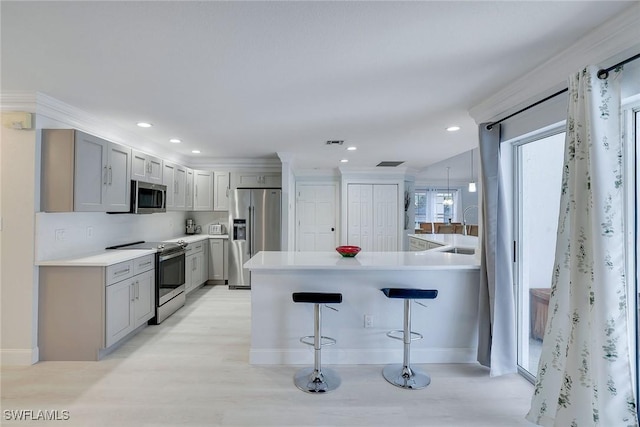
<point x="359" y="215"/>
<point x="316" y="214"/>
<point x="385" y="217"/>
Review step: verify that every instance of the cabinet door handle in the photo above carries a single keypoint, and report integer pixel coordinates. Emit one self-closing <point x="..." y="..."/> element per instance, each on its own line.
<point x="175" y="187"/>
<point x="104" y="175"/>
<point x="227" y="191"/>
<point x="196" y="191"/>
<point x="137" y="289"/>
<point x="132" y="292"/>
<point x="145" y="264"/>
<point x="126" y="270"/>
<point x="110" y="176"/>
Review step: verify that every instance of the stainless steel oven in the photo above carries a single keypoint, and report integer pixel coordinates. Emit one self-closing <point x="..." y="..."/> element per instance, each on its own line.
<point x="170" y="276"/>
<point x="170" y="270"/>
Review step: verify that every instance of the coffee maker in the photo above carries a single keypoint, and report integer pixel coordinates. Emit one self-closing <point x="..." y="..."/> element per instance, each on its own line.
<point x="191" y="227"/>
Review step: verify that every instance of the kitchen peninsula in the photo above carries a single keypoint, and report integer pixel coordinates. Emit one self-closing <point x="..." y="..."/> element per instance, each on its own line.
<point x="448" y="323"/>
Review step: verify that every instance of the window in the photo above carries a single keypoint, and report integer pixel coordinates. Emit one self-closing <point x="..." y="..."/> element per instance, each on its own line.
<point x="430" y="205"/>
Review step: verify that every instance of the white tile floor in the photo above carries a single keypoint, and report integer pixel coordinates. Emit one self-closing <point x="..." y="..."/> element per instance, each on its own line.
<point x="193" y="370"/>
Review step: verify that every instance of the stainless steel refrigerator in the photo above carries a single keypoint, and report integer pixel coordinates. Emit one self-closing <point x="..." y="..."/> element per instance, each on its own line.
<point x="254" y="218"/>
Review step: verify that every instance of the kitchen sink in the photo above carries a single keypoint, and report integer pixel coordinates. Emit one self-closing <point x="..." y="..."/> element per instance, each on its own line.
<point x="463" y="251"/>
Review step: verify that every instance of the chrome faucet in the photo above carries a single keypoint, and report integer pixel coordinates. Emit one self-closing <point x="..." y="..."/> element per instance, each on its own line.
<point x="464" y="221"/>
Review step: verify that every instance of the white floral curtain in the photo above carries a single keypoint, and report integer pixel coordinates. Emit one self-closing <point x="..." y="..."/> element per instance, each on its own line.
<point x="584" y="374"/>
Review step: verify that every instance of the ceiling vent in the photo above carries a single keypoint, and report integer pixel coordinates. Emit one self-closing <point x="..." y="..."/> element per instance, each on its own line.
<point x="335" y="142"/>
<point x="389" y="164"/>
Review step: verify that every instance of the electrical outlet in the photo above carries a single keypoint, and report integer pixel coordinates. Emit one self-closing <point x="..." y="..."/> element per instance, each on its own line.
<point x="89" y="232"/>
<point x="368" y="321"/>
<point x="61" y="234"/>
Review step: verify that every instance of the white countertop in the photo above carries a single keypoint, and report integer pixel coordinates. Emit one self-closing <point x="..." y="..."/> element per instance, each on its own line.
<point x="98" y="259"/>
<point x="113" y="256"/>
<point x="448" y="240"/>
<point x="425" y="260"/>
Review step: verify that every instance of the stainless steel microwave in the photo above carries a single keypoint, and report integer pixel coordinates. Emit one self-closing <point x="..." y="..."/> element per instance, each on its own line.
<point x="148" y="198"/>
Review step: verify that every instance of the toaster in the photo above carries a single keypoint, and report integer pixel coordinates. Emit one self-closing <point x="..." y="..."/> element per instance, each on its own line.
<point x="216" y="229"/>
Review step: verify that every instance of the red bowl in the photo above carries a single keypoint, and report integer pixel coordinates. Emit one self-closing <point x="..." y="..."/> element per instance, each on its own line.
<point x="348" y="251"/>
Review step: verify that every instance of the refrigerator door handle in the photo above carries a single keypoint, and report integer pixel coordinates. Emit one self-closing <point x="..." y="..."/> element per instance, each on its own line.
<point x="250" y="234"/>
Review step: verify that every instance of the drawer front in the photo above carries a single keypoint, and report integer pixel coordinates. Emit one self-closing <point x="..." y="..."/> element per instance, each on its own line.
<point x="196" y="247"/>
<point x="120" y="271"/>
<point x="142" y="264"/>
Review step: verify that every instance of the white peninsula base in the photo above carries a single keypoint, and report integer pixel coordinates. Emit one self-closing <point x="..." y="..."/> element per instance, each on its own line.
<point x="448" y="323"/>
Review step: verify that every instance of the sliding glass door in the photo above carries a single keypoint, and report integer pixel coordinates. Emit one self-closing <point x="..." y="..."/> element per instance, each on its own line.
<point x="538" y="177"/>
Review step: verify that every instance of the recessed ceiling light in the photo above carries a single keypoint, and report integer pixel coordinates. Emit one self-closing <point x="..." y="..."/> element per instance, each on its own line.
<point x="175" y="140"/>
<point x="453" y="128"/>
<point x="344" y="161"/>
<point x="195" y="151"/>
<point x="144" y="124"/>
<point x="352" y="148"/>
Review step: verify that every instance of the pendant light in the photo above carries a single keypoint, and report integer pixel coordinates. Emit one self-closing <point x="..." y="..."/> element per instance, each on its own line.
<point x="472" y="184"/>
<point x="448" y="200"/>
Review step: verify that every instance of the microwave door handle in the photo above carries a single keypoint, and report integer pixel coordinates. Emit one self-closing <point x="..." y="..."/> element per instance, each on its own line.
<point x="163" y="194"/>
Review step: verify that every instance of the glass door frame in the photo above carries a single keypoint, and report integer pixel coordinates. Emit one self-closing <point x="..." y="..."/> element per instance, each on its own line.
<point x="522" y="322"/>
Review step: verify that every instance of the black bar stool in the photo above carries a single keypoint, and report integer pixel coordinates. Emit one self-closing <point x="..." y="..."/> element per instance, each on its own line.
<point x="403" y="375"/>
<point x="317" y="380"/>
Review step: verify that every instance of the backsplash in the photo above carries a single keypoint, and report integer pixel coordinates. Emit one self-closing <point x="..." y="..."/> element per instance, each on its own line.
<point x="61" y="235"/>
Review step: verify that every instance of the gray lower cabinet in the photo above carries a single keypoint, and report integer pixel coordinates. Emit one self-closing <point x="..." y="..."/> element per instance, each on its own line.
<point x="195" y="265"/>
<point x="218" y="260"/>
<point x="82" y="311"/>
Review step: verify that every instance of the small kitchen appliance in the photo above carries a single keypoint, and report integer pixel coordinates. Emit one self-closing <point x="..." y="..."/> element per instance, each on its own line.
<point x="216" y="229"/>
<point x="191" y="227"/>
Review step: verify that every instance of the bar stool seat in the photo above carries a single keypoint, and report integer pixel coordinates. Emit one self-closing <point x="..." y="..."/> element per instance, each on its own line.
<point x="316" y="379"/>
<point x="403" y="375"/>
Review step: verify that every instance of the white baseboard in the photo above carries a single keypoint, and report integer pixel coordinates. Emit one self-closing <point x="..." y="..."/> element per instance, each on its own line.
<point x="360" y="357"/>
<point x="19" y="357"/>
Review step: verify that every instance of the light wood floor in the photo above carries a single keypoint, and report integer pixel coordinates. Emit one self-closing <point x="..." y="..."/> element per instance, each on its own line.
<point x="193" y="370"/>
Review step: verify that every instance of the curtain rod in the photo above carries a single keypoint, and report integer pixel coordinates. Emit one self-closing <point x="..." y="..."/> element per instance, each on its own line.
<point x="602" y="74"/>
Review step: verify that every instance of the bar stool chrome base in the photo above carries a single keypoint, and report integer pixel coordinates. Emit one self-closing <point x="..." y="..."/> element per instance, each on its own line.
<point x="311" y="381"/>
<point x="405" y="377"/>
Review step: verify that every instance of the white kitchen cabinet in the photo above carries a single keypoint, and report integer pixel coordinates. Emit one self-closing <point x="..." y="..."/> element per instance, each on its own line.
<point x="129" y="303"/>
<point x="221" y="191"/>
<point x="416" y="244"/>
<point x="195" y="267"/>
<point x="217" y="263"/>
<point x="145" y="167"/>
<point x="189" y="189"/>
<point x="174" y="176"/>
<point x="256" y="180"/>
<point x="202" y="190"/>
<point x="372" y="216"/>
<point x="180" y="200"/>
<point x="84" y="173"/>
<point x="82" y="311"/>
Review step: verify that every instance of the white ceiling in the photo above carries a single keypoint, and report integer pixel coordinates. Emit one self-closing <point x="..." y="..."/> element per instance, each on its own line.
<point x="243" y="80"/>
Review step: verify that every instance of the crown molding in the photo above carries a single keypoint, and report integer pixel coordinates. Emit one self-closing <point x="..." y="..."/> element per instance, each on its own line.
<point x="607" y="44"/>
<point x="18" y="101"/>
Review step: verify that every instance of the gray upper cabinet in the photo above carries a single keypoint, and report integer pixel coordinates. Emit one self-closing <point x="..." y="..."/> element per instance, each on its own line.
<point x="256" y="180"/>
<point x="84" y="173"/>
<point x="145" y="167"/>
<point x="189" y="190"/>
<point x="202" y="190"/>
<point x="174" y="176"/>
<point x="221" y="191"/>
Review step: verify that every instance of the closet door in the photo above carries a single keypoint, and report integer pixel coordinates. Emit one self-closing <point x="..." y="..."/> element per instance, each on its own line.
<point x="385" y="217"/>
<point x="359" y="216"/>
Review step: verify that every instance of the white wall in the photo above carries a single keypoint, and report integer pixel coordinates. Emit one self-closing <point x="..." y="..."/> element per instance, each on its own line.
<point x="18" y="276"/>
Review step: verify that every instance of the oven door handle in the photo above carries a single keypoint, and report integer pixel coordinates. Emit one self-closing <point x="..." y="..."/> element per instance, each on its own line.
<point x="170" y="256"/>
